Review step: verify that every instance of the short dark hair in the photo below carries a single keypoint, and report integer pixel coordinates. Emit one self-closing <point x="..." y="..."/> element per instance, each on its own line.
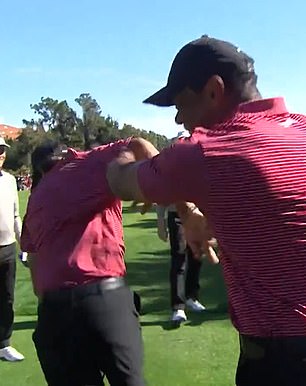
<point x="41" y="161"/>
<point x="243" y="87"/>
<point x="246" y="90"/>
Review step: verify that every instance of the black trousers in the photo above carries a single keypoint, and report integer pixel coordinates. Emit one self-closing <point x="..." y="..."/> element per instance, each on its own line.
<point x="7" y="287"/>
<point x="184" y="269"/>
<point x="272" y="361"/>
<point x="86" y="332"/>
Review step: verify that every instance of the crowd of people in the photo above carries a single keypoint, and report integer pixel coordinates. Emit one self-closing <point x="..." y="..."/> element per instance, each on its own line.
<point x="239" y="178"/>
<point x="24" y="182"/>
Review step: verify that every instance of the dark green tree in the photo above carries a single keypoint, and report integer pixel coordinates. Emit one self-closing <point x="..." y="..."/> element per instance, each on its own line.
<point x="19" y="153"/>
<point x="91" y="118"/>
<point x="57" y="121"/>
<point x="54" y="116"/>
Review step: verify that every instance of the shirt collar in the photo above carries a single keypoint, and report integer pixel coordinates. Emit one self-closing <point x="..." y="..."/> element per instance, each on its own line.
<point x="269" y="106"/>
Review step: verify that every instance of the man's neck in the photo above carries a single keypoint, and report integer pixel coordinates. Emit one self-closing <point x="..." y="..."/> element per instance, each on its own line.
<point x="233" y="108"/>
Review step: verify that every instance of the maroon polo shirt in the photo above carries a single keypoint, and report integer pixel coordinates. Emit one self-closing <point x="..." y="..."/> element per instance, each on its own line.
<point x="74" y="223"/>
<point x="249" y="175"/>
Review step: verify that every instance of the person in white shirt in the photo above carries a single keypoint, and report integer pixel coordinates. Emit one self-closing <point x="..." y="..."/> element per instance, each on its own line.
<point x="10" y="231"/>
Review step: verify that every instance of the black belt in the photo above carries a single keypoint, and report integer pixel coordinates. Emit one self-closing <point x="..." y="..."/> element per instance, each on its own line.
<point x="7" y="245"/>
<point x="258" y="347"/>
<point x="80" y="291"/>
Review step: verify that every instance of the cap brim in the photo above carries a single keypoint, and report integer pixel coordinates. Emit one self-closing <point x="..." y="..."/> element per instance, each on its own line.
<point x="163" y="97"/>
<point x="5" y="145"/>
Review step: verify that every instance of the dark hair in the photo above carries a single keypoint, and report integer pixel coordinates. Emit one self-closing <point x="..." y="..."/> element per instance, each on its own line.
<point x="240" y="83"/>
<point x="42" y="161"/>
<point x="36" y="177"/>
<point x="243" y="87"/>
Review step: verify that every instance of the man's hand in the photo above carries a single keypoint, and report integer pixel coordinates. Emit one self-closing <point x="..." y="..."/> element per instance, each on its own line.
<point x="162" y="229"/>
<point x="126" y="156"/>
<point x="122" y="171"/>
<point x="142" y="149"/>
<point x="197" y="233"/>
<point x="143" y="208"/>
<point x="199" y="238"/>
<point x="23" y="257"/>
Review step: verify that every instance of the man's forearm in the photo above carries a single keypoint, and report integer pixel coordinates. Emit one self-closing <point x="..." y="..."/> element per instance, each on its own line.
<point x="123" y="182"/>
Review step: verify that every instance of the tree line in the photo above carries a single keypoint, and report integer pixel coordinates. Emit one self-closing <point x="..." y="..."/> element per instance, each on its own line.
<point x="57" y="121"/>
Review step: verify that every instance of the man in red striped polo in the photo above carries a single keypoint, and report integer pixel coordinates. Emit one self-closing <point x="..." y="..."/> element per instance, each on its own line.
<point x="247" y="170"/>
<point x="87" y="322"/>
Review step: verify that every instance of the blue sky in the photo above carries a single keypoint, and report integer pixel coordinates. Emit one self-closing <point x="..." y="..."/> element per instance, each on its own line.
<point x="121" y="51"/>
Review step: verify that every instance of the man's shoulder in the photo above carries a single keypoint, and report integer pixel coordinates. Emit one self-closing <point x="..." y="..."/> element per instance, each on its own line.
<point x="114" y="144"/>
<point x="100" y="153"/>
<point x="8" y="176"/>
<point x="111" y="149"/>
<point x="8" y="181"/>
<point x="239" y="121"/>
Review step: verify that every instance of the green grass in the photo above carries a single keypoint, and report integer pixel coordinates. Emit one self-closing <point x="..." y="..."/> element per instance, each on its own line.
<point x="202" y="352"/>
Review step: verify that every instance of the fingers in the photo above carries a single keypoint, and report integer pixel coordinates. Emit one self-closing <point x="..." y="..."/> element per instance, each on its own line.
<point x="197" y="249"/>
<point x="211" y="255"/>
<point x="200" y="251"/>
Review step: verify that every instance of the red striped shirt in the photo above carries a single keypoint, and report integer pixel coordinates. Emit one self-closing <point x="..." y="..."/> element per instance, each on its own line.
<point x="249" y="175"/>
<point x="74" y="223"/>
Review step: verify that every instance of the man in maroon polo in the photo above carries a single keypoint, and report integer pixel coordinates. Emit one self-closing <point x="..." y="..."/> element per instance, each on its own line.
<point x="247" y="170"/>
<point x="87" y="322"/>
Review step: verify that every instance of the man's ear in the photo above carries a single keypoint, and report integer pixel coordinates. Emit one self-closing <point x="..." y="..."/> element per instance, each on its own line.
<point x="214" y="90"/>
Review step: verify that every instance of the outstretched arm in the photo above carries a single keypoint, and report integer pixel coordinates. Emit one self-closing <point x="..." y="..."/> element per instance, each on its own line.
<point x="177" y="174"/>
<point x="168" y="177"/>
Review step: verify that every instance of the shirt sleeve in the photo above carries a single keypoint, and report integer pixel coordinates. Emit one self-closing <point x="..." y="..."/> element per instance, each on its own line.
<point x="178" y="173"/>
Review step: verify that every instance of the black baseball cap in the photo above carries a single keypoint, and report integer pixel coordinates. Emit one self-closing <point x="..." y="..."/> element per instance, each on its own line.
<point x="197" y="61"/>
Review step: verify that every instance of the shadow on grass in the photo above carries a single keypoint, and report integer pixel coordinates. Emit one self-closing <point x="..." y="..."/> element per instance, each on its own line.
<point x="130" y="209"/>
<point x="163" y="253"/>
<point x="166" y="325"/>
<point x="149" y="277"/>
<point x="26" y="325"/>
<point x="142" y="224"/>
